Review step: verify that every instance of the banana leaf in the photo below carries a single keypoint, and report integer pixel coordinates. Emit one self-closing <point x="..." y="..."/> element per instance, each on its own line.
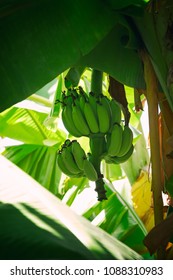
<point x="34" y="224"/>
<point x="39" y="161"/>
<point x="37" y="155"/>
<point x="35" y="48"/>
<point x="116" y="215"/>
<point x="41" y="39"/>
<point x="27" y="126"/>
<point x="117" y="55"/>
<point x="155" y="28"/>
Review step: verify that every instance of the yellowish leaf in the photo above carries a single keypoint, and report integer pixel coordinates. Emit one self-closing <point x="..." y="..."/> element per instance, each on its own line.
<point x="142" y="200"/>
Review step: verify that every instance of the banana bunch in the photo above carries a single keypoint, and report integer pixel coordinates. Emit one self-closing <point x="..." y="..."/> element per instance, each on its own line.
<point x="87" y="114"/>
<point x="73" y="161"/>
<point x="119" y="144"/>
<point x="98" y="118"/>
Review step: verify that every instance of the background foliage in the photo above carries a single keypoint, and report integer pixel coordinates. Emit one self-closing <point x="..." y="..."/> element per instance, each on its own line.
<point x="40" y="42"/>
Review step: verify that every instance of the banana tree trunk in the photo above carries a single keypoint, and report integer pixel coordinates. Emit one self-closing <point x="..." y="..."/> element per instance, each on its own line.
<point x="152" y="99"/>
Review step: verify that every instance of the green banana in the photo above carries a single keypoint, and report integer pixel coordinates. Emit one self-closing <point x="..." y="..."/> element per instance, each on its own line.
<point x="66" y="100"/>
<point x="108" y="159"/>
<point x="71" y="97"/>
<point x="77" y="101"/>
<point x="68" y="122"/>
<point x="63" y="168"/>
<point x="125" y="157"/>
<point x="78" y="154"/>
<point x="115" y="140"/>
<point x="93" y="102"/>
<point x="79" y="121"/>
<point x="91" y="118"/>
<point x="117" y="160"/>
<point x="108" y="139"/>
<point x="126" y="141"/>
<point x="74" y="93"/>
<point x="82" y="101"/>
<point x="68" y="92"/>
<point x="106" y="103"/>
<point x="82" y="92"/>
<point x="103" y="118"/>
<point x="116" y="111"/>
<point x="69" y="160"/>
<point x="90" y="171"/>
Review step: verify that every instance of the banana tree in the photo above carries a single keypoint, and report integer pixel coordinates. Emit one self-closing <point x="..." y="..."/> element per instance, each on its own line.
<point x="130" y="41"/>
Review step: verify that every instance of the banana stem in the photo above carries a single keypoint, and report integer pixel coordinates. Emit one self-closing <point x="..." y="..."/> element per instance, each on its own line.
<point x="97" y="146"/>
<point x="100" y="189"/>
<point x="96" y="82"/>
<point x="151" y="95"/>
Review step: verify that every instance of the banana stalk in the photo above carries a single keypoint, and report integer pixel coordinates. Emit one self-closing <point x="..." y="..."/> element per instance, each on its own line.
<point x="97" y="146"/>
<point x="73" y="76"/>
<point x="96" y="82"/>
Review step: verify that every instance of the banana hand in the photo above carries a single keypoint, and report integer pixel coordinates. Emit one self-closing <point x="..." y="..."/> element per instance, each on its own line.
<point x="118" y="160"/>
<point x="68" y="122"/>
<point x="64" y="169"/>
<point x="69" y="160"/>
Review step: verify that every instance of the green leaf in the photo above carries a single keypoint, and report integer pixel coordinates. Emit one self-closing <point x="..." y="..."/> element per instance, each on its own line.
<point x="116" y="216"/>
<point x="34" y="224"/>
<point x="155" y="29"/>
<point x="72" y="187"/>
<point x="119" y="50"/>
<point x="120" y="220"/>
<point x="112" y="172"/>
<point x="39" y="40"/>
<point x="40" y="162"/>
<point x="18" y="153"/>
<point x="27" y="126"/>
<point x="38" y="157"/>
<point x="126" y="3"/>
